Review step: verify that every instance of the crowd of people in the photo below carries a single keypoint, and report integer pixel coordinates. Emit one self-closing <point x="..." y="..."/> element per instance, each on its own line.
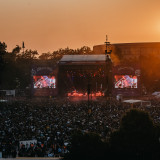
<point x="52" y="123"/>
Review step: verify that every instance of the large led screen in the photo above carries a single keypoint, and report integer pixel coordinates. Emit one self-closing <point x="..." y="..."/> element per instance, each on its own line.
<point x="44" y="81"/>
<point x="125" y="81"/>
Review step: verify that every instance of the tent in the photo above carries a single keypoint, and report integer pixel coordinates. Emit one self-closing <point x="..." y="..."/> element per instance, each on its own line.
<point x="141" y="102"/>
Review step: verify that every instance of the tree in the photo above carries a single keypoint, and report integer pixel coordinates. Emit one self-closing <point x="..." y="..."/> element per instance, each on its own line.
<point x="29" y="54"/>
<point x="24" y="63"/>
<point x="16" y="50"/>
<point x="137" y="136"/>
<point x="9" y="69"/>
<point x="57" y="55"/>
<point x="3" y="48"/>
<point x="45" y="56"/>
<point x="84" y="50"/>
<point x="86" y="146"/>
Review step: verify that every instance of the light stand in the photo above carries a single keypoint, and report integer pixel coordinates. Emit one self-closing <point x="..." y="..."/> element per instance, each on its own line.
<point x="108" y="67"/>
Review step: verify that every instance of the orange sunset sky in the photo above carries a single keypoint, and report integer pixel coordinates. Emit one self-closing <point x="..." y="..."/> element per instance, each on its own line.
<point x="47" y="25"/>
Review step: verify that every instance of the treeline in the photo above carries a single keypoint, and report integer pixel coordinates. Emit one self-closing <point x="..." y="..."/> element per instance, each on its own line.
<point x="15" y="66"/>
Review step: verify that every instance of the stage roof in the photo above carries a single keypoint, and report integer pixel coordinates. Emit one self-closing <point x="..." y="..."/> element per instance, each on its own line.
<point x="83" y="58"/>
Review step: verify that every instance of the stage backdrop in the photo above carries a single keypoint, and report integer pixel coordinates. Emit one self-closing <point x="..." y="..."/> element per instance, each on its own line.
<point x="126" y="80"/>
<point x="44" y="81"/>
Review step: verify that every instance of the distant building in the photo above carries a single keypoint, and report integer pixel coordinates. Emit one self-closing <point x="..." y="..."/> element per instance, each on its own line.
<point x="130" y="49"/>
<point x="144" y="58"/>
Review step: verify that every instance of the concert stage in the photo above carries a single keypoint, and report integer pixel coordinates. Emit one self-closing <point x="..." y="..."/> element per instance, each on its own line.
<point x="78" y="73"/>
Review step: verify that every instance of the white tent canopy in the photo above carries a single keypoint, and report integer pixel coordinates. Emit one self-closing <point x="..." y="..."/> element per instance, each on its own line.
<point x="155" y="93"/>
<point x="142" y="102"/>
<point x="132" y="101"/>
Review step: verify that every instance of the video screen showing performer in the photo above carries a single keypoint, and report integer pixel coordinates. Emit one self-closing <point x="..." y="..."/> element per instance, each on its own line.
<point x="44" y="81"/>
<point x="125" y="81"/>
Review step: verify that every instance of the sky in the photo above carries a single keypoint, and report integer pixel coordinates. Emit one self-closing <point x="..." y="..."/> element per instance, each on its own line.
<point x="48" y="25"/>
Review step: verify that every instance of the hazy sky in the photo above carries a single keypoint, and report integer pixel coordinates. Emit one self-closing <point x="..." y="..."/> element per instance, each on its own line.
<point x="47" y="25"/>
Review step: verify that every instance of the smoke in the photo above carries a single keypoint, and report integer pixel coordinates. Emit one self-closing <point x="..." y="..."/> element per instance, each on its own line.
<point x="100" y="49"/>
<point x="114" y="55"/>
<point x="150" y="65"/>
